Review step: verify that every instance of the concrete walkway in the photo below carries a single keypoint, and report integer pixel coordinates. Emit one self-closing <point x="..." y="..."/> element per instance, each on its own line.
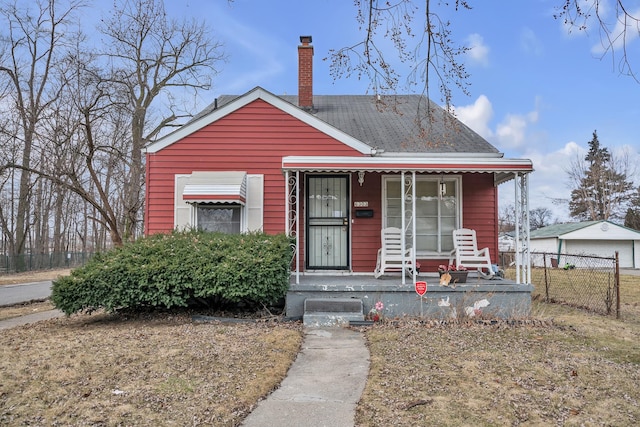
<point x="322" y="386"/>
<point x="30" y="318"/>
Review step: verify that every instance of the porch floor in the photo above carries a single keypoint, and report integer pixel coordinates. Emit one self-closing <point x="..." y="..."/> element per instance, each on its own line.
<point x="506" y="298"/>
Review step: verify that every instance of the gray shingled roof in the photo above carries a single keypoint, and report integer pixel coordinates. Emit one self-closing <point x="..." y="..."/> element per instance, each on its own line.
<point x="392" y="124"/>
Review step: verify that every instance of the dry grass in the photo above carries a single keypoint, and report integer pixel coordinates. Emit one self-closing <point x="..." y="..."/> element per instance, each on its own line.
<point x="32" y="276"/>
<point x="580" y="369"/>
<point x="18" y="310"/>
<point x="104" y="370"/>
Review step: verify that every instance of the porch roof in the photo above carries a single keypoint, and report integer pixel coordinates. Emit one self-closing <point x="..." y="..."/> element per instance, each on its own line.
<point x="503" y="169"/>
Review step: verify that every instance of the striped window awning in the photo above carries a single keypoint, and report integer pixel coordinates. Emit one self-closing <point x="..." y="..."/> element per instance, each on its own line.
<point x="216" y="187"/>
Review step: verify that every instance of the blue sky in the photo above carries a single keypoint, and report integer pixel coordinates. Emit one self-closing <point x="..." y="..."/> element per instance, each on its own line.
<point x="537" y="91"/>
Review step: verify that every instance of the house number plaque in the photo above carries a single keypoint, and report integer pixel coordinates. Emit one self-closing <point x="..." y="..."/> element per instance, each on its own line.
<point x="360" y="204"/>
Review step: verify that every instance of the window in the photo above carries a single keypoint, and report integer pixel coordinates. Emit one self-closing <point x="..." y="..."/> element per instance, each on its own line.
<point x="218" y="218"/>
<point x="436" y="215"/>
<point x="209" y="205"/>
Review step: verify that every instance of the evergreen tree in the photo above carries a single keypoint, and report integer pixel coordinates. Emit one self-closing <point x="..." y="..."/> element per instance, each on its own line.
<point x="632" y="218"/>
<point x="601" y="188"/>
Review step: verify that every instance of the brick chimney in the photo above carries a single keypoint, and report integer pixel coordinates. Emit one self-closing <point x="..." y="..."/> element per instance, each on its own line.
<point x="305" y="73"/>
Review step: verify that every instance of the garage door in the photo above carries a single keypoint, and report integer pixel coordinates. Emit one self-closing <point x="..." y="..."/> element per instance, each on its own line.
<point x="603" y="248"/>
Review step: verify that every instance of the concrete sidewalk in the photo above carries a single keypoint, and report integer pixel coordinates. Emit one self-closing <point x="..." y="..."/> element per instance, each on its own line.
<point x="322" y="386"/>
<point x="30" y="318"/>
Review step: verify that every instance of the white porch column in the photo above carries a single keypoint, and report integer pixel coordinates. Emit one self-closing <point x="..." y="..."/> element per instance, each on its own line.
<point x="403" y="243"/>
<point x="522" y="239"/>
<point x="408" y="189"/>
<point x="413" y="222"/>
<point x="292" y="217"/>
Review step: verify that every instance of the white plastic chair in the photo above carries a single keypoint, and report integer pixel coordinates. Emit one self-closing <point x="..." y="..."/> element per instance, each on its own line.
<point x="390" y="255"/>
<point x="466" y="253"/>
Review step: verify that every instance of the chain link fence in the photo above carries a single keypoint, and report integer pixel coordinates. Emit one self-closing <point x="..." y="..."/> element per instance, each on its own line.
<point x="35" y="262"/>
<point x="588" y="282"/>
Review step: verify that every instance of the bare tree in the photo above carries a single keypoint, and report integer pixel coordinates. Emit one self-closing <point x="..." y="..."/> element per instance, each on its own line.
<point x="507" y="219"/>
<point x="151" y="56"/>
<point x="88" y="141"/>
<point x="32" y="39"/>
<point x="424" y="42"/>
<point x="615" y="34"/>
<point x="108" y="104"/>
<point x="540" y="217"/>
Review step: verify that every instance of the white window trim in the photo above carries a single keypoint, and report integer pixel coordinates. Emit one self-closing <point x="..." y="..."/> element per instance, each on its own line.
<point x="179" y="203"/>
<point x="458" y="183"/>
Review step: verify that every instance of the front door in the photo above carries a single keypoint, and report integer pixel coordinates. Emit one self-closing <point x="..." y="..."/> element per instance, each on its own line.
<point x="327" y="222"/>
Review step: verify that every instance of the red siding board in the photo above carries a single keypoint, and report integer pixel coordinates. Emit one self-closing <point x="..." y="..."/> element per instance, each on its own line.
<point x="366" y="231"/>
<point x="480" y="210"/>
<point x="252" y="139"/>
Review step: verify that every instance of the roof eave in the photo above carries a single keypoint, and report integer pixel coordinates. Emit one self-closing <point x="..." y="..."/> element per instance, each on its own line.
<point x="504" y="169"/>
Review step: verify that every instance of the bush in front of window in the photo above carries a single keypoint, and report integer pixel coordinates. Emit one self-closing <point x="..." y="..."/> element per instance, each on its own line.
<point x="178" y="269"/>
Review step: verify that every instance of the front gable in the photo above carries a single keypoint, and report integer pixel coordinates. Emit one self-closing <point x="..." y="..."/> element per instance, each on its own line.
<point x="212" y="115"/>
<point x="250" y="137"/>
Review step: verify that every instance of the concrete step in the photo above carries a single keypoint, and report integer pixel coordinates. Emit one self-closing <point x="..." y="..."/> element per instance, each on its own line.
<point x="328" y="312"/>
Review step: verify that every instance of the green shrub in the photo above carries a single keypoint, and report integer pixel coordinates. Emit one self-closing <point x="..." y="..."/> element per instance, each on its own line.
<point x="177" y="269"/>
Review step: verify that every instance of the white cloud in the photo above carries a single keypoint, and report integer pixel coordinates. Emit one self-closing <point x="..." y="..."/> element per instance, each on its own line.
<point x="478" y="50"/>
<point x="572" y="149"/>
<point x="548" y="184"/>
<point x="530" y="43"/>
<point x="511" y="133"/>
<point x="477" y="116"/>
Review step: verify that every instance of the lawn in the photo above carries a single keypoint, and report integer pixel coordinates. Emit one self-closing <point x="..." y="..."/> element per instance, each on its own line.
<point x="153" y="370"/>
<point x="563" y="366"/>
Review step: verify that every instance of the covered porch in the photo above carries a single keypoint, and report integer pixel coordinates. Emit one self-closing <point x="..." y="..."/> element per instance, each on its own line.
<point x="336" y="208"/>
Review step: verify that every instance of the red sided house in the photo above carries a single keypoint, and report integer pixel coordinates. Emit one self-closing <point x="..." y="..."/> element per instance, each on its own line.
<point x="333" y="171"/>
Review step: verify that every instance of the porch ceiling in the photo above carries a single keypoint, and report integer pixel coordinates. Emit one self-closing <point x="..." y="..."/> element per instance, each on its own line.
<point x="503" y="169"/>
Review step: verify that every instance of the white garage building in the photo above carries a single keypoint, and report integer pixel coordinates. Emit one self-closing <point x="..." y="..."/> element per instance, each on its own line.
<point x="600" y="238"/>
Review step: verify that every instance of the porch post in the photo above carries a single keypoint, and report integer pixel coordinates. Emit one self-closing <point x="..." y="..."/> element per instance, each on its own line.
<point x="524" y="195"/>
<point x="413" y="223"/>
<point x="522" y="238"/>
<point x="403" y="243"/>
<point x="408" y="189"/>
<point x="516" y="204"/>
<point x="292" y="217"/>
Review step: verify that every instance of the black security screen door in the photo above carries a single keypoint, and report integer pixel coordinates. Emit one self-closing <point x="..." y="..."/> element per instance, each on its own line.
<point x="327" y="222"/>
